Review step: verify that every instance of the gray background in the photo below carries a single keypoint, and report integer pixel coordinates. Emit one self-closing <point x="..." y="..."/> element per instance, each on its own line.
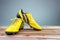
<point x="45" y="12"/>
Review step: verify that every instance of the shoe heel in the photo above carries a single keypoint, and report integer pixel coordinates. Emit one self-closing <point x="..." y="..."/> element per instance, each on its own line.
<point x="22" y="26"/>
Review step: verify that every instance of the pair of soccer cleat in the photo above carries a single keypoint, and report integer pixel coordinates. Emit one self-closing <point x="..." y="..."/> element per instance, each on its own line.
<point x="18" y="23"/>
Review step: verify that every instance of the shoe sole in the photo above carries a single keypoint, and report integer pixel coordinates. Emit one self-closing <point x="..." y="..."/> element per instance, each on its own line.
<point x="11" y="33"/>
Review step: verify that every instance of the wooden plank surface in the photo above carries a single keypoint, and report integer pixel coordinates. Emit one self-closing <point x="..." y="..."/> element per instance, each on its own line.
<point x="47" y="33"/>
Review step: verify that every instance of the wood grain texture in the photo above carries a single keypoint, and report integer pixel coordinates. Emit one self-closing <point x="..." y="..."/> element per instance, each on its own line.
<point x="47" y="33"/>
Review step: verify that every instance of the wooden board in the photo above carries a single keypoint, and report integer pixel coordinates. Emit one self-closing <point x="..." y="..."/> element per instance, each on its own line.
<point x="47" y="33"/>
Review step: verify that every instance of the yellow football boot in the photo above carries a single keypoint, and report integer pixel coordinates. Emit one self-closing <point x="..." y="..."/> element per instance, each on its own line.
<point x="14" y="27"/>
<point x="30" y="20"/>
<point x="27" y="17"/>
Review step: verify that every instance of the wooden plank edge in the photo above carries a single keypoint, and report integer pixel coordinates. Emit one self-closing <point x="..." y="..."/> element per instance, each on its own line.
<point x="33" y="36"/>
<point x="43" y="27"/>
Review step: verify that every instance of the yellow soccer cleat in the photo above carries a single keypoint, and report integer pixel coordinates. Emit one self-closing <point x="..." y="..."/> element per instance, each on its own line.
<point x="14" y="27"/>
<point x="27" y="17"/>
<point x="30" y="20"/>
